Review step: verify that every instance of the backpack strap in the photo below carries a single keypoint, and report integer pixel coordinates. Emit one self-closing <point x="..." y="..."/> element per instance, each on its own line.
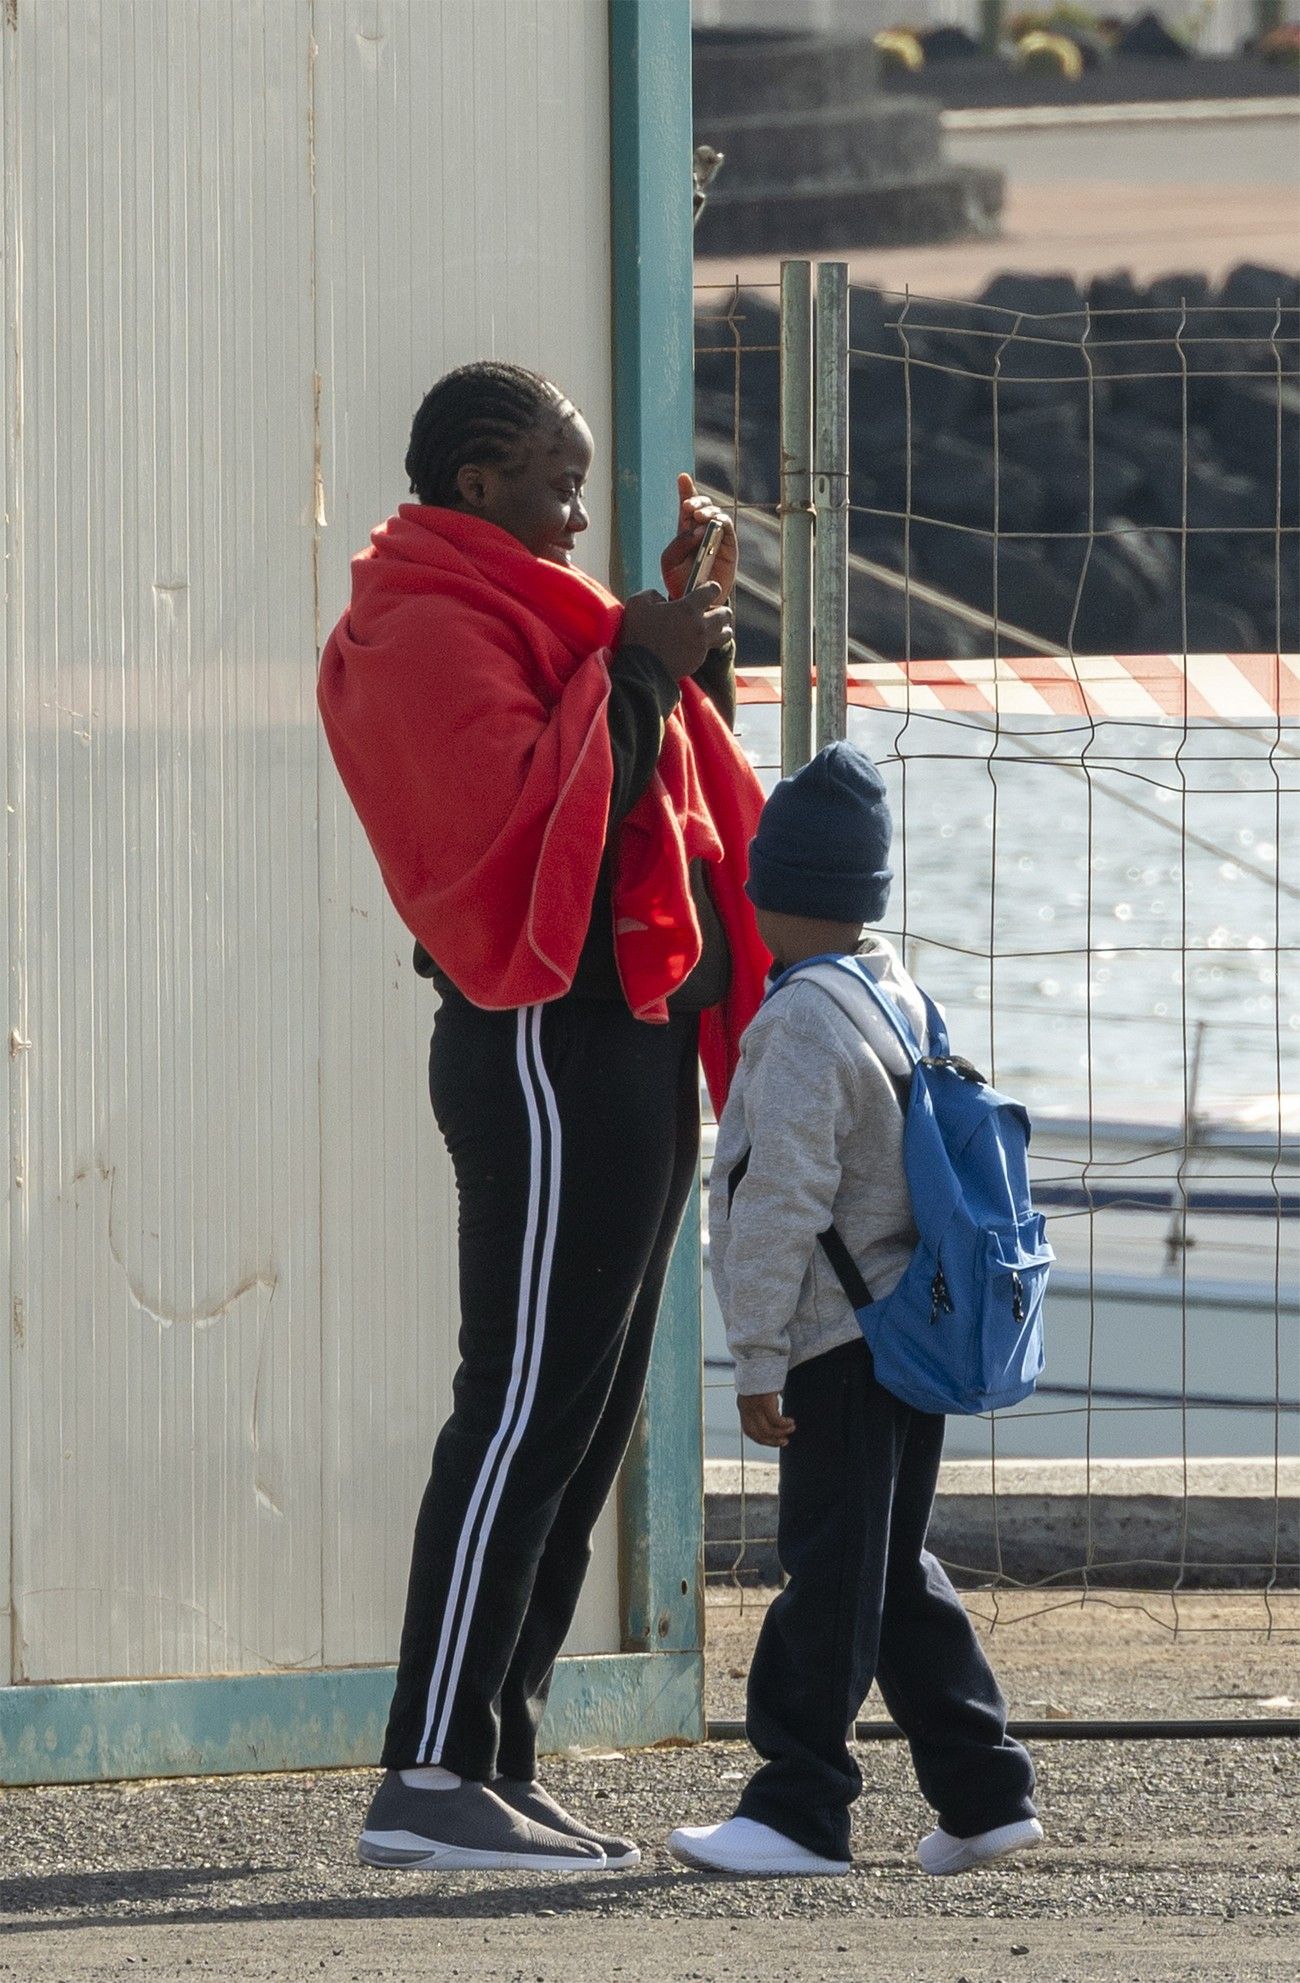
<point x="846" y="1269"/>
<point x="936" y="1028"/>
<point x="845" y="1266"/>
<point x="856" y="968"/>
<point x="890" y="1009"/>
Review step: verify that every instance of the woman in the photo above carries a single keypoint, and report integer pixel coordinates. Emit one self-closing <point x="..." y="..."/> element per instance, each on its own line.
<point x="561" y="815"/>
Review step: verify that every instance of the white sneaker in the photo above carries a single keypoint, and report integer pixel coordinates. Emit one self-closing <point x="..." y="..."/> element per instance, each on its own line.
<point x="742" y="1845"/>
<point x="940" y="1852"/>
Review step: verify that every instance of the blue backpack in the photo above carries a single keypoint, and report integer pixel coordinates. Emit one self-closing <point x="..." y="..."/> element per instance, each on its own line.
<point x="963" y="1330"/>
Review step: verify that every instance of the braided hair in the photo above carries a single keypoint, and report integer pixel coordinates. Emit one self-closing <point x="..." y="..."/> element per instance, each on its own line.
<point x="482" y="412"/>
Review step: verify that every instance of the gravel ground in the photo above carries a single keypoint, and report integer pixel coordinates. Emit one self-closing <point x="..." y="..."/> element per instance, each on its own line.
<point x="1166" y="1861"/>
<point x="1118" y="1654"/>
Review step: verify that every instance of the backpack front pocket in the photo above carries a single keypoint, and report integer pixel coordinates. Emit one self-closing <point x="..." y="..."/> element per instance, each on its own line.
<point x="1008" y="1346"/>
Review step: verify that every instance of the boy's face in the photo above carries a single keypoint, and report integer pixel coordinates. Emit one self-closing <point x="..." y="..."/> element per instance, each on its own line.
<point x="537" y="498"/>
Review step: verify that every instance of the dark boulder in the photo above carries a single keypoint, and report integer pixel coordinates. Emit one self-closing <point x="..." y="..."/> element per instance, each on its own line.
<point x="1212" y="628"/>
<point x="899" y="625"/>
<point x="1115" y="580"/>
<point x="1034" y="328"/>
<point x="871" y="320"/>
<point x="956" y="481"/>
<point x="1094" y="48"/>
<point x="1049" y="431"/>
<point x="1176" y="296"/>
<point x="948" y="44"/>
<point x="1244" y="571"/>
<point x="1251" y="287"/>
<point x="759" y="456"/>
<point x="903" y="390"/>
<point x="1148" y="38"/>
<point x="1110" y="604"/>
<point x="739" y="331"/>
<point x="1158" y="462"/>
<point x="1219" y="499"/>
<point x="1036" y="296"/>
<point x="1247" y="422"/>
<point x="1014" y="579"/>
<point x="1115" y="302"/>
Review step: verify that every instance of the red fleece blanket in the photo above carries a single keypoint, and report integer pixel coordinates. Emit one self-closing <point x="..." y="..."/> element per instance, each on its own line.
<point x="463" y="694"/>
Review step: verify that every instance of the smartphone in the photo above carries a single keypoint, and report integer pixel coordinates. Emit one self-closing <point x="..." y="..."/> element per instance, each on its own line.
<point x="709" y="546"/>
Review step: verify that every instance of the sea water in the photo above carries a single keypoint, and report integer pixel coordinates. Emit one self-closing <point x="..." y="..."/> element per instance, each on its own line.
<point x="1109" y="918"/>
<point x="1084" y="898"/>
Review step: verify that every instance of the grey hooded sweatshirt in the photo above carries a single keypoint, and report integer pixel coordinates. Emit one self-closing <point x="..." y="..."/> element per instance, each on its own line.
<point x="817" y="1103"/>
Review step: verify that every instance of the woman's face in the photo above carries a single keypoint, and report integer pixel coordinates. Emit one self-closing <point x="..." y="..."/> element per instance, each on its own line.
<point x="539" y="498"/>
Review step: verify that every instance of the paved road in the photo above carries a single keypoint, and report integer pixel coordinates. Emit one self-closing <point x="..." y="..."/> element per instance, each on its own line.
<point x="1151" y="200"/>
<point x="1238" y="151"/>
<point x="409" y="1945"/>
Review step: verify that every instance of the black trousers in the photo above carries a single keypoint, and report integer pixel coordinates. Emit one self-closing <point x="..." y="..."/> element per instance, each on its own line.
<point x="573" y="1130"/>
<point x="866" y="1601"/>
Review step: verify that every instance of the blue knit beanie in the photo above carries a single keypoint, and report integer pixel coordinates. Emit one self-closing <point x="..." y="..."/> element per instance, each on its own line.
<point x="823" y="841"/>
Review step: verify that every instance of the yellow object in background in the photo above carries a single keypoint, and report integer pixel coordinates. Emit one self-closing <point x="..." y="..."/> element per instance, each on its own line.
<point x="899" y="49"/>
<point x="1049" y="54"/>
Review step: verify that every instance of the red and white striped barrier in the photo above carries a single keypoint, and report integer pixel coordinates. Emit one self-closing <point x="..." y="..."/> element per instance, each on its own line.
<point x="1134" y="688"/>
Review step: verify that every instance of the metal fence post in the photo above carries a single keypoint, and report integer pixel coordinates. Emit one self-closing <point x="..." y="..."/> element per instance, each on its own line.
<point x="831" y="500"/>
<point x="796" y="514"/>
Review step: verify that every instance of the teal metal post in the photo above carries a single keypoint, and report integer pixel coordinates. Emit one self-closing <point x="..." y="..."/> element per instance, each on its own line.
<point x="661" y="1507"/>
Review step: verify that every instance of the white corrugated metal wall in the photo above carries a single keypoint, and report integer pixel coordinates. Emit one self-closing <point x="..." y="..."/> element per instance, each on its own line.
<point x="241" y="237"/>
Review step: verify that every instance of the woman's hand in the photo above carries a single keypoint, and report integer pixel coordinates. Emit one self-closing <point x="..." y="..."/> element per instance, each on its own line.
<point x="678" y="632"/>
<point x="761" y="1419"/>
<point x="694" y="512"/>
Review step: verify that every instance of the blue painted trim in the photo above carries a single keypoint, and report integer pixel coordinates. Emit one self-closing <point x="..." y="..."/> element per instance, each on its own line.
<point x="250" y="1722"/>
<point x="650" y="206"/>
<point x="662" y="1497"/>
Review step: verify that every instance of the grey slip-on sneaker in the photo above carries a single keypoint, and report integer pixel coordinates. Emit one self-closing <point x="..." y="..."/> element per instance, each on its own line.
<point x="465" y="1830"/>
<point x="531" y="1801"/>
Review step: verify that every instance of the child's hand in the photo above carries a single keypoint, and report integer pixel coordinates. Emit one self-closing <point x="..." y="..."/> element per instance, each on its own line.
<point x="761" y="1420"/>
<point x="693" y="513"/>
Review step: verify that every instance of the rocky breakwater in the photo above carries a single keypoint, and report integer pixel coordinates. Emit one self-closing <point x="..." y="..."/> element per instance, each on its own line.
<point x="1112" y="470"/>
<point x="815" y="155"/>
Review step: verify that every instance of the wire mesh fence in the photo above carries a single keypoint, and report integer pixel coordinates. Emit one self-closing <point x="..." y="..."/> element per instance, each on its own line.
<point x="1072" y="603"/>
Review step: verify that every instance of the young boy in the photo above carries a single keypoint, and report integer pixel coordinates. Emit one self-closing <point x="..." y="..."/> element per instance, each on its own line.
<point x="812" y="1134"/>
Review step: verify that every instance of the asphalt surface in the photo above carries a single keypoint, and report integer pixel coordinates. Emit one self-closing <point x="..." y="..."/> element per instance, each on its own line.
<point x="1249" y="151"/>
<point x="1153" y="200"/>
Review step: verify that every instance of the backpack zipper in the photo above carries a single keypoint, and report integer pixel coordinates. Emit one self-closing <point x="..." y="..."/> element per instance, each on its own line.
<point x="939" y="1297"/>
<point x="1017" y="1299"/>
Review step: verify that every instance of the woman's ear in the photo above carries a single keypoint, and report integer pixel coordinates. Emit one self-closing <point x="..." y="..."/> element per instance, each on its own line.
<point x="472" y="486"/>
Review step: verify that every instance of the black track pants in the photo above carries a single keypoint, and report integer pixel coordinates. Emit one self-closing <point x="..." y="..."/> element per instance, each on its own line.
<point x="865" y="1601"/>
<point x="573" y="1129"/>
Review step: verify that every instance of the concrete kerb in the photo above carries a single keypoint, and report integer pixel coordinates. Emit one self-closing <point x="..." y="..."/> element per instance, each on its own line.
<point x="1078" y="116"/>
<point x="1223" y="1524"/>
